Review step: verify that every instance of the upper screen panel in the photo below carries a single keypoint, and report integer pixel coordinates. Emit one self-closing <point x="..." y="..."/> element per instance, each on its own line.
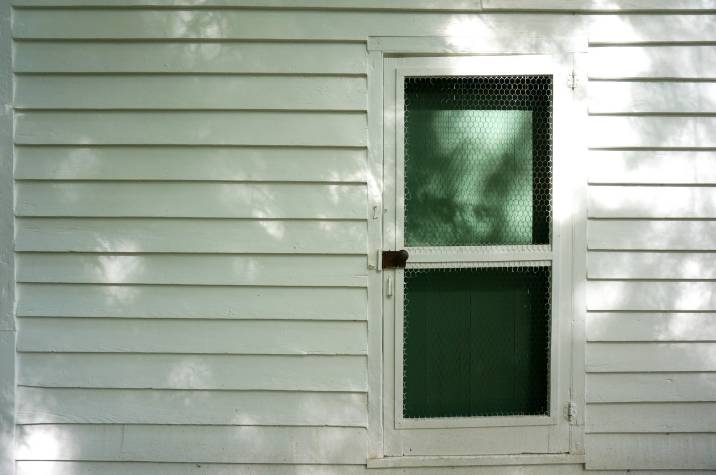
<point x="478" y="160"/>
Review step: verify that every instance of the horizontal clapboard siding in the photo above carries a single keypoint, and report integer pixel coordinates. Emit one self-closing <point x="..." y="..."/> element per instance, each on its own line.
<point x="182" y="57"/>
<point x="652" y="202"/>
<point x="613" y="97"/>
<point x="608" y="326"/>
<point x="200" y="444"/>
<point x="93" y="335"/>
<point x="224" y="323"/>
<point x="169" y="301"/>
<point x="39" y="23"/>
<point x="194" y="225"/>
<point x="652" y="167"/>
<point x="191" y="235"/>
<point x="656" y="296"/>
<point x="172" y="407"/>
<point x="32" y="467"/>
<point x="651" y="387"/>
<point x="220" y="92"/>
<point x="192" y="200"/>
<point x="649" y="29"/>
<point x="161" y="371"/>
<point x="261" y="24"/>
<point x="212" y="163"/>
<point x="652" y="132"/>
<point x="656" y="235"/>
<point x="193" y="269"/>
<point x="651" y="331"/>
<point x="146" y="468"/>
<point x="594" y="6"/>
<point x="652" y="451"/>
<point x="578" y="6"/>
<point x="655" y="417"/>
<point x="192" y="128"/>
<point x="654" y="62"/>
<point x="651" y="357"/>
<point x="652" y="265"/>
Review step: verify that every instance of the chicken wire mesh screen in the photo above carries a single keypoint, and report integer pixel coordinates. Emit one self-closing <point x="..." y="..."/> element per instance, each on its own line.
<point x="478" y="160"/>
<point x="478" y="172"/>
<point x="476" y="342"/>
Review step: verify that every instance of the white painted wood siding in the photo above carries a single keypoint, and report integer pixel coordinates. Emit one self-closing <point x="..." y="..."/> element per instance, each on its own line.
<point x="651" y="321"/>
<point x="192" y="245"/>
<point x="191" y="233"/>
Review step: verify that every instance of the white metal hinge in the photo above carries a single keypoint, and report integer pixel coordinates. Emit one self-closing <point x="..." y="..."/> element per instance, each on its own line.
<point x="572" y="412"/>
<point x="572" y="80"/>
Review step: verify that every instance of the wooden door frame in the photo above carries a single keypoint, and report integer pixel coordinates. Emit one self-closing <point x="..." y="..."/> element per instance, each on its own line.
<point x="567" y="50"/>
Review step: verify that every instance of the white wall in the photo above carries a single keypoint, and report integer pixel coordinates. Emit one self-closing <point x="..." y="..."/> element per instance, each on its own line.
<point x="191" y="234"/>
<point x="650" y="327"/>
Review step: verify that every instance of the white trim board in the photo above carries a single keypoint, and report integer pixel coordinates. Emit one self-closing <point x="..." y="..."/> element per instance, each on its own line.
<point x="380" y="47"/>
<point x="7" y="257"/>
<point x="476" y="461"/>
<point x="503" y="43"/>
<point x="483" y="435"/>
<point x="375" y="244"/>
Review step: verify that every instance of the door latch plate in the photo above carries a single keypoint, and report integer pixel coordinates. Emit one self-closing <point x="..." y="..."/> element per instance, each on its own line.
<point x="395" y="259"/>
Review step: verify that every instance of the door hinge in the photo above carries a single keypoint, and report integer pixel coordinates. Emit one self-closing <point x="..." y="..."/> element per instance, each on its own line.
<point x="571" y="412"/>
<point x="572" y="80"/>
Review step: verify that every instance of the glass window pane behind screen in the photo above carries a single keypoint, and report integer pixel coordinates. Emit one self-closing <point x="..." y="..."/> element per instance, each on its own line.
<point x="477" y="160"/>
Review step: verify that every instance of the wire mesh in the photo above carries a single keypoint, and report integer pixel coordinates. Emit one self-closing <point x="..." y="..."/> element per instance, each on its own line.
<point x="478" y="160"/>
<point x="476" y="342"/>
<point x="478" y="172"/>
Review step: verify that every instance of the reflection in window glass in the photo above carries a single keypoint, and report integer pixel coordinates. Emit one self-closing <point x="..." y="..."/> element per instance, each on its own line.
<point x="477" y="160"/>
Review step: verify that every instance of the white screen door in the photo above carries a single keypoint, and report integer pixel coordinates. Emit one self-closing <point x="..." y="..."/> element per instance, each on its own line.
<point x="476" y="327"/>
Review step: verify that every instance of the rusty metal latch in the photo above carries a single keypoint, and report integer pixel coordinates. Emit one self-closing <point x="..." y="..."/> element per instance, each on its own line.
<point x="395" y="259"/>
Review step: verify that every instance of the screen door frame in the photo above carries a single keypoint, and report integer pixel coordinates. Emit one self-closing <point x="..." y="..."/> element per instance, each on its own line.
<point x="484" y="434"/>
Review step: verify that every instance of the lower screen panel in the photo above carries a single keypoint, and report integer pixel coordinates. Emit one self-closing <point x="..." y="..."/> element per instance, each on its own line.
<point x="476" y="342"/>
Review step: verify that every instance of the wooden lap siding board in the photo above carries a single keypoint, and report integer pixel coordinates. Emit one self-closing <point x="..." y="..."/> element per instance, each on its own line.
<point x="650" y="358"/>
<point x="191" y="211"/>
<point x="194" y="215"/>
